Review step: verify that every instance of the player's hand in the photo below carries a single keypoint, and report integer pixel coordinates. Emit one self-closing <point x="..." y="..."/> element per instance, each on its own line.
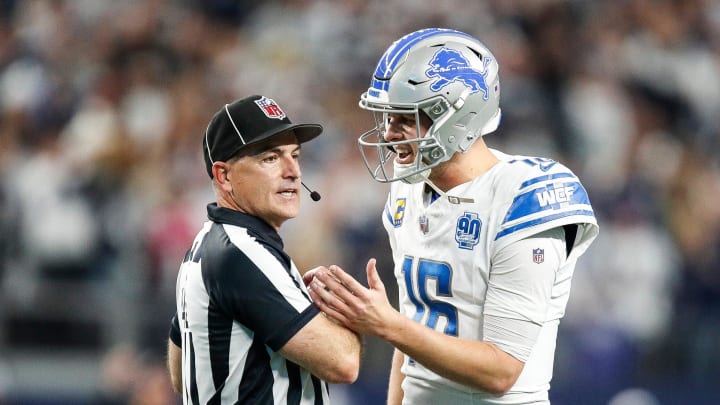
<point x="340" y="296"/>
<point x="309" y="275"/>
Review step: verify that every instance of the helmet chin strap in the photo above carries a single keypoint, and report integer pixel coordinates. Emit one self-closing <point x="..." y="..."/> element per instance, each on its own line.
<point x="406" y="175"/>
<point x="423" y="176"/>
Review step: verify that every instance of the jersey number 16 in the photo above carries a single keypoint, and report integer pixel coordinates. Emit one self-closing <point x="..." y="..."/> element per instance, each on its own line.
<point x="417" y="273"/>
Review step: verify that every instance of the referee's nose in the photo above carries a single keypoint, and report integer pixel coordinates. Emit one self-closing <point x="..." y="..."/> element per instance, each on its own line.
<point x="291" y="164"/>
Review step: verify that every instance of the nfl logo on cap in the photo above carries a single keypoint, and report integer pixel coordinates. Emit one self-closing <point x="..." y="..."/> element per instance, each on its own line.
<point x="270" y="108"/>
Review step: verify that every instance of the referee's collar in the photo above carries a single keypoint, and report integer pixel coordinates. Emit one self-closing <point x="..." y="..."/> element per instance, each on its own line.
<point x="231" y="217"/>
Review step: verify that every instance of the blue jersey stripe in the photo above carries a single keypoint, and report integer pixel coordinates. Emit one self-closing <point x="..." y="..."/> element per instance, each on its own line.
<point x="538" y="221"/>
<point x="551" y="197"/>
<point x="545" y="178"/>
<point x="388" y="215"/>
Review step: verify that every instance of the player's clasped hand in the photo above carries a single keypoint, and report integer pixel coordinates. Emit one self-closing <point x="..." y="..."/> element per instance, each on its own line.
<point x="340" y="296"/>
<point x="309" y="275"/>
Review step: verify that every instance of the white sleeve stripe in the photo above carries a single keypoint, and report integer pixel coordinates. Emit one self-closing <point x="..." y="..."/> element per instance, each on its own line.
<point x="546" y="178"/>
<point x="547" y="218"/>
<point x="281" y="278"/>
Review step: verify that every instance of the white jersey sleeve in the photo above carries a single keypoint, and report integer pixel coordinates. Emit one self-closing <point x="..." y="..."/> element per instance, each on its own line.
<point x="519" y="292"/>
<point x="540" y="194"/>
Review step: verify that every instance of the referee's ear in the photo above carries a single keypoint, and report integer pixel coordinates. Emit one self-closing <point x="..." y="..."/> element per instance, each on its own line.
<point x="221" y="172"/>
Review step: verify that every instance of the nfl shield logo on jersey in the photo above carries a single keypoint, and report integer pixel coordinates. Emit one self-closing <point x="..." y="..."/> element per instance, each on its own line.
<point x="538" y="255"/>
<point x="270" y="108"/>
<point x="423" y="224"/>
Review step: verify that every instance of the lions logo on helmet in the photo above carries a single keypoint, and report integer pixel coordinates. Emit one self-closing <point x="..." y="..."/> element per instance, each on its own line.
<point x="449" y="65"/>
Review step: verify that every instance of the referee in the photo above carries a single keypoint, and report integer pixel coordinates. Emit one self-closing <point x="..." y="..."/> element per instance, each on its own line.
<point x="246" y="330"/>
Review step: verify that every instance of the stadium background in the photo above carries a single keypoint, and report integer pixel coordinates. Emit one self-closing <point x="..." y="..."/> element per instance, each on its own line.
<point x="102" y="104"/>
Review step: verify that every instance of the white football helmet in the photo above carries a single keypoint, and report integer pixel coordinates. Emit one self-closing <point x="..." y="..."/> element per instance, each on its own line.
<point x="448" y="75"/>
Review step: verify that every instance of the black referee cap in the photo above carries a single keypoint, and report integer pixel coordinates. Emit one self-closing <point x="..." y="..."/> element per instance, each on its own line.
<point x="245" y="122"/>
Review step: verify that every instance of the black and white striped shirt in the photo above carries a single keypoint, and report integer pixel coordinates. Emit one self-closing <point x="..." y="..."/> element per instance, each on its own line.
<point x="240" y="298"/>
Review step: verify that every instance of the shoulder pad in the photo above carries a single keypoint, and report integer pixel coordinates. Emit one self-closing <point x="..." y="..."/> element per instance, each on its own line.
<point x="545" y="194"/>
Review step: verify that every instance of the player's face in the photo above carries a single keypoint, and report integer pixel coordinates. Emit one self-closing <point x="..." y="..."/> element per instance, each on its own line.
<point x="266" y="179"/>
<point x="401" y="127"/>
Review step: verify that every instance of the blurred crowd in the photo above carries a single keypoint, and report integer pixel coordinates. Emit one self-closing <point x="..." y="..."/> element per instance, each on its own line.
<point x="102" y="187"/>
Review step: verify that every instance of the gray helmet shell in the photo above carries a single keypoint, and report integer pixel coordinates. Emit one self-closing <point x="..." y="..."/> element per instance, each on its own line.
<point x="449" y="76"/>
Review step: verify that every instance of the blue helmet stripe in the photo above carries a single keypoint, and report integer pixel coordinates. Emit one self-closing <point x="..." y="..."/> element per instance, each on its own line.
<point x="389" y="61"/>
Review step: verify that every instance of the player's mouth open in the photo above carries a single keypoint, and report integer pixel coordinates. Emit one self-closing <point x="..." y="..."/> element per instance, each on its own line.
<point x="404" y="156"/>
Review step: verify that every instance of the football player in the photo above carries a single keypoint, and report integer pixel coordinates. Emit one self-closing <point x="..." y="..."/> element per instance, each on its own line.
<point x="484" y="243"/>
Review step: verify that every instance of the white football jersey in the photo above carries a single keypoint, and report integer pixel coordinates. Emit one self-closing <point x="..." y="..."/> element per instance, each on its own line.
<point x="444" y="250"/>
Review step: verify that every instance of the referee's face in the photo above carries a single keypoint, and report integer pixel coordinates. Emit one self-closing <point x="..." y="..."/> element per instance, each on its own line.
<point x="265" y="179"/>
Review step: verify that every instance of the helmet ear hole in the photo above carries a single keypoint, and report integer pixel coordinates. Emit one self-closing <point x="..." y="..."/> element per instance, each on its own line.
<point x="432" y="112"/>
<point x="436" y="153"/>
